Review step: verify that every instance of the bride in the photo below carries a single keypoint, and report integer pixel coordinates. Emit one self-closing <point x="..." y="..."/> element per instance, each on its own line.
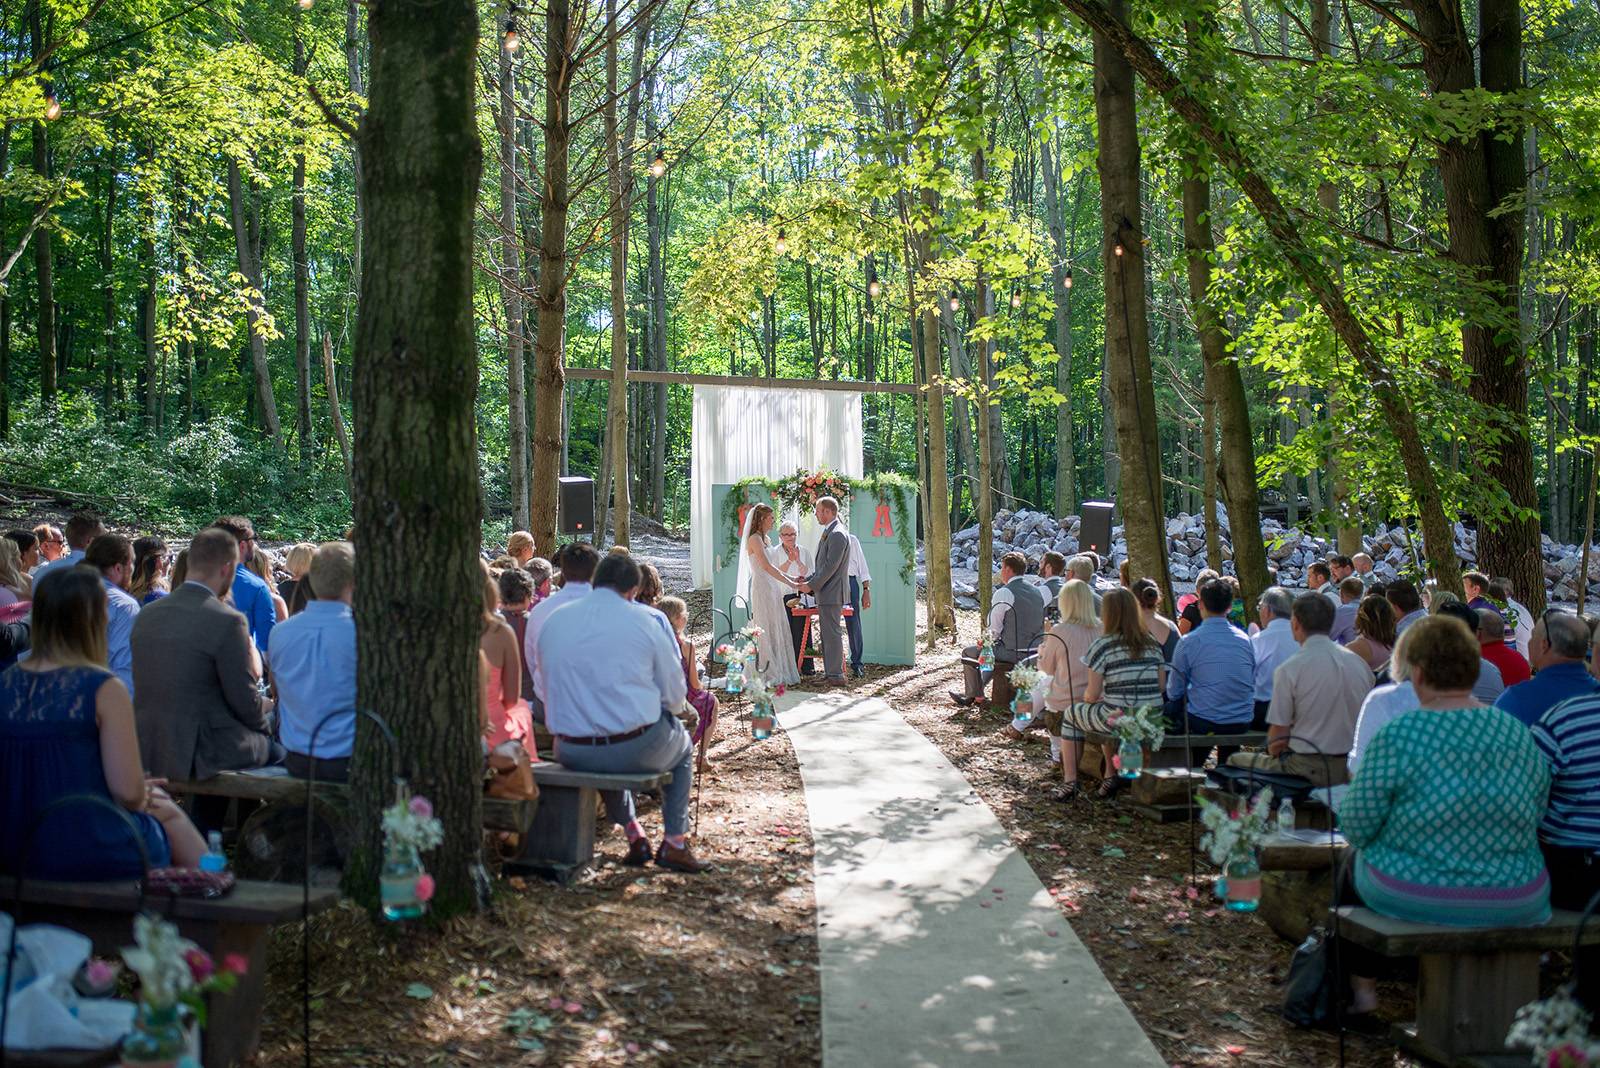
<point x="763" y="588"/>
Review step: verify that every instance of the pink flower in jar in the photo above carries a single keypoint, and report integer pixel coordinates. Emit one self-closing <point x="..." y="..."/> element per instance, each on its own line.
<point x="425" y="887"/>
<point x="200" y="966"/>
<point x="421" y="807"/>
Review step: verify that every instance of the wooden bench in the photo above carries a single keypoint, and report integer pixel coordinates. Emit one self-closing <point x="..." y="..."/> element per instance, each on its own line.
<point x="560" y="843"/>
<point x="237" y="923"/>
<point x="272" y="839"/>
<point x="1161" y="792"/>
<point x="1471" y="980"/>
<point x="1297" y="883"/>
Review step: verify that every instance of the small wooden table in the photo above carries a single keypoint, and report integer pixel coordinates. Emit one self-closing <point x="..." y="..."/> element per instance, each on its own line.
<point x="809" y="614"/>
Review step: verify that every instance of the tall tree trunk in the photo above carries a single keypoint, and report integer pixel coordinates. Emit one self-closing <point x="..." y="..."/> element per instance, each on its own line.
<point x="1312" y="271"/>
<point x="330" y="378"/>
<point x="302" y="288"/>
<point x="108" y="286"/>
<point x="416" y="472"/>
<point x="42" y="262"/>
<point x="511" y="296"/>
<point x="549" y="369"/>
<point x="247" y="240"/>
<point x="982" y="401"/>
<point x="658" y="319"/>
<point x="1127" y="328"/>
<point x="150" y="391"/>
<point x="1066" y="502"/>
<point x="352" y="62"/>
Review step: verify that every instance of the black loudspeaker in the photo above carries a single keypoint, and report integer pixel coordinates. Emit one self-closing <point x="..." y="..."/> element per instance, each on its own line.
<point x="1094" y="532"/>
<point x="575" y="506"/>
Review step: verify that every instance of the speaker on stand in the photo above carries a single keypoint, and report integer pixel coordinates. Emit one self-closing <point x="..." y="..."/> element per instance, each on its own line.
<point x="575" y="507"/>
<point x="1094" y="529"/>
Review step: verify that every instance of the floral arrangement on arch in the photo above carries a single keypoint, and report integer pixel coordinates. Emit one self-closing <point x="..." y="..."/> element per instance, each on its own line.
<point x="801" y="490"/>
<point x="1555" y="1030"/>
<point x="1234" y="834"/>
<point x="1145" y="725"/>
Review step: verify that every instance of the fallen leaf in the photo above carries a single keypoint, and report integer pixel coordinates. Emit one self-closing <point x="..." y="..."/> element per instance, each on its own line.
<point x="420" y="991"/>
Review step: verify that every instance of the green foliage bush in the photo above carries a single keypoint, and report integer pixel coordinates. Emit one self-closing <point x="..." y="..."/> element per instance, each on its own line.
<point x="179" y="484"/>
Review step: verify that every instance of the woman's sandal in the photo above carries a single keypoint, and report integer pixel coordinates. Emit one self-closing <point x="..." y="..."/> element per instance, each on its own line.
<point x="1109" y="788"/>
<point x="1067" y="793"/>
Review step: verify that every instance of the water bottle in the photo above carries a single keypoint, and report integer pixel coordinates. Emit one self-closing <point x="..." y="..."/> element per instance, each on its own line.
<point x="986" y="657"/>
<point x="1285" y="816"/>
<point x="214" y="859"/>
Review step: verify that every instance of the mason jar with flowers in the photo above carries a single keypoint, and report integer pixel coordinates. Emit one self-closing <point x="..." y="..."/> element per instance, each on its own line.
<point x="1231" y="840"/>
<point x="409" y="829"/>
<point x="175" y="976"/>
<point x="1136" y="729"/>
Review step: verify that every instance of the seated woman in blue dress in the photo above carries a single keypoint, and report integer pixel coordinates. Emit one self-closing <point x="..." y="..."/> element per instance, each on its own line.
<point x="66" y="727"/>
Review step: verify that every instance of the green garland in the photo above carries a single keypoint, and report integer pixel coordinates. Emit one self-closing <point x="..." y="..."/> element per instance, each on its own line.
<point x="801" y="490"/>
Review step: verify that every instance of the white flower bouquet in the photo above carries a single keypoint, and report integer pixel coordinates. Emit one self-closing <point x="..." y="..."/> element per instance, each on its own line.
<point x="1556" y="1032"/>
<point x="1146" y="725"/>
<point x="410" y="823"/>
<point x="1232" y="836"/>
<point x="1028" y="680"/>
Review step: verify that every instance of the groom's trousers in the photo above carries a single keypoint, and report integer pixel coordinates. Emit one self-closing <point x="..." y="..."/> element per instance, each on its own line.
<point x="830" y="620"/>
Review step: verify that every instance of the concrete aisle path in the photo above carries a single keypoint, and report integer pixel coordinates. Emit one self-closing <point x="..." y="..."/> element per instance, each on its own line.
<point x="939" y="945"/>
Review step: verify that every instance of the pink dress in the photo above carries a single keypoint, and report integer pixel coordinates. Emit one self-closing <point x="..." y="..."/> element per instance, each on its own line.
<point x="704" y="702"/>
<point x="513" y="722"/>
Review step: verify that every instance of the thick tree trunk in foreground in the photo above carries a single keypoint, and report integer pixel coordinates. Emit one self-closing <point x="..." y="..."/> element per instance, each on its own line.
<point x="549" y="373"/>
<point x="1224" y="386"/>
<point x="1481" y="172"/>
<point x="416" y="470"/>
<point x="511" y="296"/>
<point x="1122" y="256"/>
<point x="1313" y="273"/>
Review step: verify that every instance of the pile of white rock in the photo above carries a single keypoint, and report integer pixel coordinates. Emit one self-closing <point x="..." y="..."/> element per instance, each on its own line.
<point x="1290" y="550"/>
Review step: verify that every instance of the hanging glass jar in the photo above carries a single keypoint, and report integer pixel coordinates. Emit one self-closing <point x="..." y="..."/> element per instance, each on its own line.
<point x="397" y="885"/>
<point x="1130" y="759"/>
<point x="736" y="676"/>
<point x="157" y="1040"/>
<point x="1244" y="883"/>
<point x="761" y="721"/>
<point x="986" y="656"/>
<point x="1021" y="710"/>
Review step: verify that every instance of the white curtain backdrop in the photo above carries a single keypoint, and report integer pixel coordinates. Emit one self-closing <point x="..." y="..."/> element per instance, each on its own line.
<point x="740" y="432"/>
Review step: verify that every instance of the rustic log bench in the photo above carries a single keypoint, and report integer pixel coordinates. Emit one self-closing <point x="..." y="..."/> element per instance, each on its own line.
<point x="237" y="923"/>
<point x="272" y="842"/>
<point x="1161" y="792"/>
<point x="560" y="843"/>
<point x="1297" y="882"/>
<point x="1471" y="980"/>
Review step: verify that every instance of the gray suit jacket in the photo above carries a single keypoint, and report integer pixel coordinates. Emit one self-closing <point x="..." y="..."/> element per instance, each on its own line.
<point x="830" y="581"/>
<point x="197" y="708"/>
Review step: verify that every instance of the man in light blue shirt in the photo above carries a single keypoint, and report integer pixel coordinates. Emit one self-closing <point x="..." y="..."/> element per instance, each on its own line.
<point x="1344" y="617"/>
<point x="112" y="556"/>
<point x="1212" y="680"/>
<point x="81" y="530"/>
<point x="251" y="594"/>
<point x="577" y="561"/>
<point x="1272" y="645"/>
<point x="613" y="681"/>
<point x="314" y="670"/>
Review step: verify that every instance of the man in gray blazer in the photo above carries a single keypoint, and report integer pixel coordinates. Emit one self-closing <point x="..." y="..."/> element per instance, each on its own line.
<point x="199" y="710"/>
<point x="829" y="583"/>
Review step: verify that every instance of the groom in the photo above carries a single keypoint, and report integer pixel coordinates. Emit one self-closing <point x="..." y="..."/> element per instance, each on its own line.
<point x="829" y="583"/>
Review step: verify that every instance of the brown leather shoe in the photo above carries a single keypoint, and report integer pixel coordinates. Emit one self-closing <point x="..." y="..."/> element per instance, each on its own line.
<point x="638" y="853"/>
<point x="837" y="682"/>
<point x="682" y="860"/>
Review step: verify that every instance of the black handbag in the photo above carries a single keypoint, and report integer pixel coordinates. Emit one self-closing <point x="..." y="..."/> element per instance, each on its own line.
<point x="1310" y="989"/>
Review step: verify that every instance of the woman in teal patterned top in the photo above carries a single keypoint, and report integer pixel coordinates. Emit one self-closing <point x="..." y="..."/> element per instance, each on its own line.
<point x="1444" y="810"/>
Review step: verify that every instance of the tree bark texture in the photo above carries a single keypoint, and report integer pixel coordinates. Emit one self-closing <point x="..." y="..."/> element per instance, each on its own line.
<point x="511" y="295"/>
<point x="1122" y="257"/>
<point x="1314" y="274"/>
<point x="416" y="467"/>
<point x="302" y="289"/>
<point x="1066" y="495"/>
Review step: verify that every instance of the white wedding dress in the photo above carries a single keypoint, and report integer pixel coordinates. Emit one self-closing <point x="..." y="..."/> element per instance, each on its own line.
<point x="764" y="594"/>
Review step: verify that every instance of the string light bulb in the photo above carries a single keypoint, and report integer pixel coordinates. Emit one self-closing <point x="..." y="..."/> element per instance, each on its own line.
<point x="874" y="288"/>
<point x="52" y="106"/>
<point x="658" y="166"/>
<point x="1016" y="298"/>
<point x="1069" y="277"/>
<point x="512" y="40"/>
<point x="781" y="245"/>
<point x="955" y="302"/>
<point x="305" y="5"/>
<point x="1118" y="248"/>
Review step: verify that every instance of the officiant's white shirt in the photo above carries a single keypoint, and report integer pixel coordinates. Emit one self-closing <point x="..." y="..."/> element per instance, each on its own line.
<point x="795" y="570"/>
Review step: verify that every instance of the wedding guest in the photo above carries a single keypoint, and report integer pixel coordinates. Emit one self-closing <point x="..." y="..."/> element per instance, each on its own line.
<point x="112" y="556"/>
<point x="1061" y="654"/>
<point x="577" y="561"/>
<point x="701" y="700"/>
<point x="1316" y="696"/>
<point x="180" y="571"/>
<point x="27" y="544"/>
<point x="296" y="590"/>
<point x="1363" y="569"/>
<point x="794" y="561"/>
<point x="1163" y="631"/>
<point x="15" y="639"/>
<point x="1351" y="593"/>
<point x="52" y="543"/>
<point x="539" y="572"/>
<point x="1189" y="615"/>
<point x="1556" y="651"/>
<point x="82" y="528"/>
<point x="1212" y="678"/>
<point x="1052" y="576"/>
<point x="1384" y="703"/>
<point x="149" y="582"/>
<point x="1568" y="737"/>
<point x="15" y="584"/>
<point x="1125" y="574"/>
<point x="1340" y="567"/>
<point x="1406" y="602"/>
<point x="1375" y="637"/>
<point x="1522" y="629"/>
<point x="199" y="707"/>
<point x="1492" y="638"/>
<point x="252" y="597"/>
<point x="1428" y="786"/>
<point x="1491" y="684"/>
<point x="1016" y="618"/>
<point x="649" y="585"/>
<point x="1125" y="671"/>
<point x="510" y="719"/>
<point x="860" y="599"/>
<point x="67" y="728"/>
<point x="1319" y="579"/>
<point x="519" y="546"/>
<point x="1083" y="567"/>
<point x="516" y="599"/>
<point x="1270" y="646"/>
<point x="621" y="719"/>
<point x="261" y="566"/>
<point x="314" y="670"/>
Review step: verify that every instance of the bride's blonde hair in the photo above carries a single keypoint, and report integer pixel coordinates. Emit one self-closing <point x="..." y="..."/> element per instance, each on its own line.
<point x="759" y="514"/>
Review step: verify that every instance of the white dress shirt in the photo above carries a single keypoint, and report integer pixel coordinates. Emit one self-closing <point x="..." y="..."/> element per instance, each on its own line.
<point x="779" y="559"/>
<point x="572" y="591"/>
<point x="608" y="668"/>
<point x="1272" y="647"/>
<point x="858" y="561"/>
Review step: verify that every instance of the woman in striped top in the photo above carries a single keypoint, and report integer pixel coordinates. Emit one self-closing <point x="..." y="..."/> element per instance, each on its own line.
<point x="1125" y="671"/>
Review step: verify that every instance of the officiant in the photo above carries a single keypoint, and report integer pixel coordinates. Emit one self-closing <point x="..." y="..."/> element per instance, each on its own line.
<point x="794" y="560"/>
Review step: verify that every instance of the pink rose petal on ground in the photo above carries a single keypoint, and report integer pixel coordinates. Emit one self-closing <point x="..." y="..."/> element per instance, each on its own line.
<point x="983" y="904"/>
<point x="572" y="1008"/>
<point x="1234" y="1050"/>
<point x="555" y="1003"/>
<point x="1053" y="934"/>
<point x="604" y="1034"/>
<point x="998" y="890"/>
<point x="632" y="1047"/>
<point x="1192" y="894"/>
